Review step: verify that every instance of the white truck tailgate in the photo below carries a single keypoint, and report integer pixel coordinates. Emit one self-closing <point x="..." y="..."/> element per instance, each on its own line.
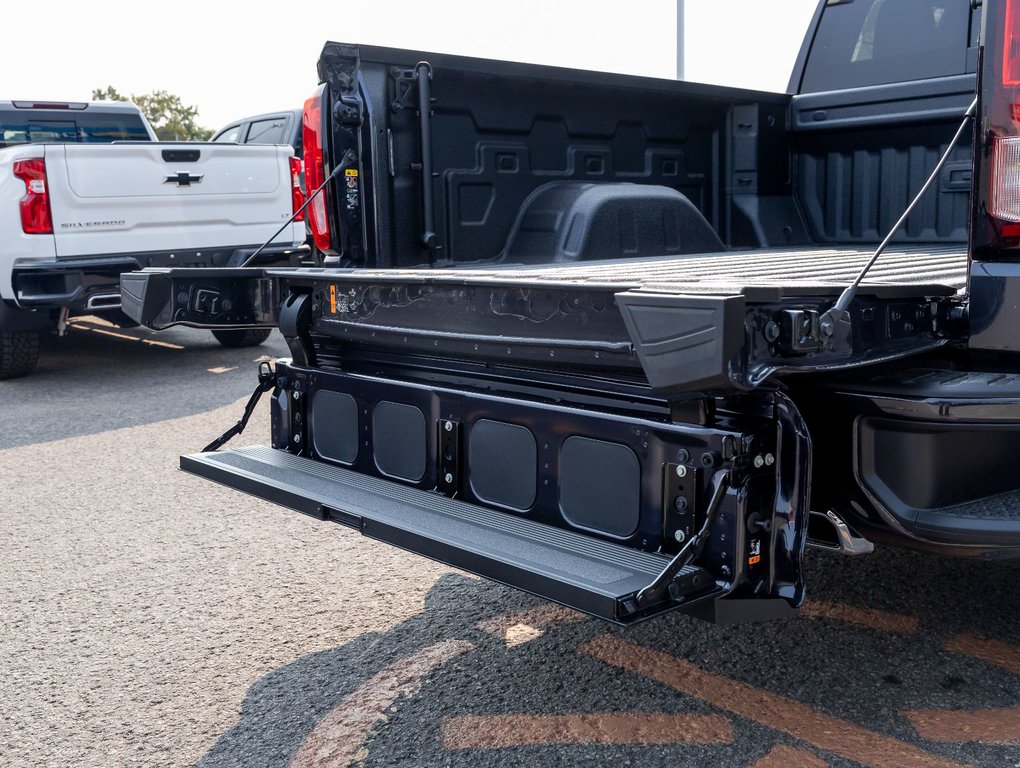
<point x="161" y="197"/>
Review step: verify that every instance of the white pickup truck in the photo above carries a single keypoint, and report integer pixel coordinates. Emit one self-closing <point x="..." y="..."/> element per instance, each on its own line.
<point x="86" y="193"/>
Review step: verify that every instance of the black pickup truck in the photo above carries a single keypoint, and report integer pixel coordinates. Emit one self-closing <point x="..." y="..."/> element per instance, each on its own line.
<point x="624" y="343"/>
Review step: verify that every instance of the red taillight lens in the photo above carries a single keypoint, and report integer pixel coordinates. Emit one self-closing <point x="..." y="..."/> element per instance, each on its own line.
<point x="35" y="205"/>
<point x="297" y="197"/>
<point x="1011" y="47"/>
<point x="315" y="171"/>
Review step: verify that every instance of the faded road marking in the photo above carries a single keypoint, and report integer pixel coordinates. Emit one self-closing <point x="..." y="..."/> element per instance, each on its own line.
<point x="865" y="617"/>
<point x="519" y="628"/>
<point x="105" y="332"/>
<point x="221" y="369"/>
<point x="993" y="651"/>
<point x="992" y="726"/>
<point x="783" y="756"/>
<point x="338" y="737"/>
<point x="507" y="731"/>
<point x="769" y="709"/>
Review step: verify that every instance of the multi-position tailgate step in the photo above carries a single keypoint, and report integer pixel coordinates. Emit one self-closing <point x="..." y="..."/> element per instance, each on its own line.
<point x="582" y="572"/>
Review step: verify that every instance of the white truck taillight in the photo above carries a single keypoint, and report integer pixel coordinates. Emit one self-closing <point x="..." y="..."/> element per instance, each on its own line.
<point x="35" y="205"/>
<point x="1005" y="198"/>
<point x="315" y="171"/>
<point x="297" y="196"/>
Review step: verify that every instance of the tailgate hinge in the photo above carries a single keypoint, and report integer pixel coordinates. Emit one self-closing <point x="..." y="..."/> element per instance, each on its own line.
<point x="296" y="316"/>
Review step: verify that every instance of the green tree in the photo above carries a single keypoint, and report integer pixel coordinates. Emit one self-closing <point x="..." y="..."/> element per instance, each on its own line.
<point x="169" y="117"/>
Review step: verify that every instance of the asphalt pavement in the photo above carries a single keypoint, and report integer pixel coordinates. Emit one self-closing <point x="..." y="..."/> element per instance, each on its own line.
<point x="151" y="618"/>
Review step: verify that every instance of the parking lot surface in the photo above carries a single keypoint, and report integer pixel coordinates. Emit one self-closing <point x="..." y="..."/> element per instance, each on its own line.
<point x="150" y="618"/>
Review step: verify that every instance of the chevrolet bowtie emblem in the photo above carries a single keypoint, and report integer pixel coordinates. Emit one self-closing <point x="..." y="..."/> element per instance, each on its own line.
<point x="182" y="179"/>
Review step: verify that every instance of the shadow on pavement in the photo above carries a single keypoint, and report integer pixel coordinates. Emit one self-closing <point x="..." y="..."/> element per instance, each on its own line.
<point x="283" y="707"/>
<point x="100" y="377"/>
<point x="863" y="675"/>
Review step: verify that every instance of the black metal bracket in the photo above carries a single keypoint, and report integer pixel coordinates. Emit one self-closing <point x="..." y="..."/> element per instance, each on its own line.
<point x="801" y="330"/>
<point x="349" y="109"/>
<point x="449" y="457"/>
<point x="699" y="411"/>
<point x="660" y="585"/>
<point x="408" y="82"/>
<point x="295" y="325"/>
<point x="680" y="485"/>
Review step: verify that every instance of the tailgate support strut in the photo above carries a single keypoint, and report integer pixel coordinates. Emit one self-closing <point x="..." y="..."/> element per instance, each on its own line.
<point x="836" y="313"/>
<point x="655" y="591"/>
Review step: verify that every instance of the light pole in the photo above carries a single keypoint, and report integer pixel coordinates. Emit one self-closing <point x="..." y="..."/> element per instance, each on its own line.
<point x="679" y="39"/>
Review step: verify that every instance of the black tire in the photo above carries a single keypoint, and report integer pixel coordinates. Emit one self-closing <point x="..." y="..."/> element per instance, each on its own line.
<point x="249" y="337"/>
<point x="19" y="353"/>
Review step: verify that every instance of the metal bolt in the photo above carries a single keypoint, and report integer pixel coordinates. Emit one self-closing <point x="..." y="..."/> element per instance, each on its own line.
<point x="680" y="504"/>
<point x="679" y="536"/>
<point x="759" y="461"/>
<point x="708" y="459"/>
<point x="448" y="426"/>
<point x="826" y="327"/>
<point x="448" y="477"/>
<point x="725" y="570"/>
<point x="296" y="395"/>
<point x="683" y="456"/>
<point x="297" y="439"/>
<point x="681" y="471"/>
<point x="772" y="331"/>
<point x="769" y="459"/>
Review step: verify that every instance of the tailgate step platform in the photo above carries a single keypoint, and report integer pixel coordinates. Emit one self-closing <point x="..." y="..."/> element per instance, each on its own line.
<point x="581" y="572"/>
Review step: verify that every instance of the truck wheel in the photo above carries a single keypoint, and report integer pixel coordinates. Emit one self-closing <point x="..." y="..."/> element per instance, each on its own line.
<point x="250" y="337"/>
<point x="19" y="353"/>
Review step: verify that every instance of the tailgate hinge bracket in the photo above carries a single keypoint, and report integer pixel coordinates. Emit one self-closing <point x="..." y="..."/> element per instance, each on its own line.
<point x="295" y="325"/>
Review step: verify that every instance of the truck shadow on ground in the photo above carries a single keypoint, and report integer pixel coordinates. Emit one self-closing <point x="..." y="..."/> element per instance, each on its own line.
<point x="887" y="651"/>
<point x="100" y="377"/>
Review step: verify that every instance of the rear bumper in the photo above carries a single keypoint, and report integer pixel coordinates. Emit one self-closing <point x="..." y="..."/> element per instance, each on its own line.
<point x="921" y="457"/>
<point x="93" y="283"/>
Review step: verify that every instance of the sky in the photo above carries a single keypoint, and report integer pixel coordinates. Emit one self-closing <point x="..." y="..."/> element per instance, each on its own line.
<point x="231" y="60"/>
